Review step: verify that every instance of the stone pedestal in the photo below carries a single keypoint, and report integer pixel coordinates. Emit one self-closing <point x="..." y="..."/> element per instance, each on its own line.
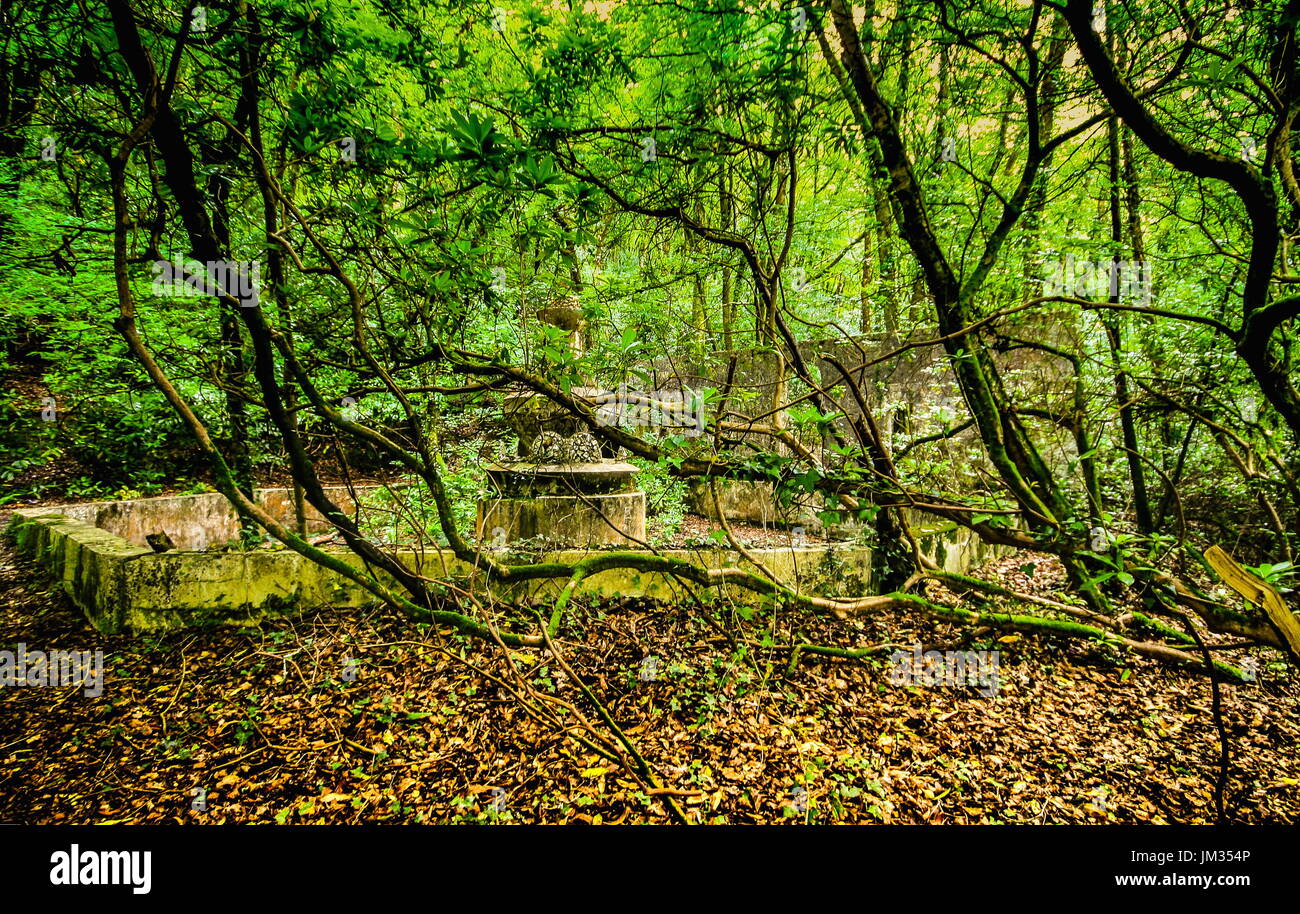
<point x="588" y="504"/>
<point x="529" y="414"/>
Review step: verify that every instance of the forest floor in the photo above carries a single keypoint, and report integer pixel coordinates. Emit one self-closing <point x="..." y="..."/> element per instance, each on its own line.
<point x="360" y="716"/>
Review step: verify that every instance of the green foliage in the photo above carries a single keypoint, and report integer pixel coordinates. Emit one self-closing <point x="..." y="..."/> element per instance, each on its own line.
<point x="1278" y="573"/>
<point x="665" y="497"/>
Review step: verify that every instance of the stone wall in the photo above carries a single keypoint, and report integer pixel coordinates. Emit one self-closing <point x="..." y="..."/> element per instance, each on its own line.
<point x="910" y="395"/>
<point x="197" y="521"/>
<point x="906" y="390"/>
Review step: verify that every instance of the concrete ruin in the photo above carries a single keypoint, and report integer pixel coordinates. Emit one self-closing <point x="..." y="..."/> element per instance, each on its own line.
<point x="565" y="498"/>
<point x="564" y="491"/>
<point x="97" y="553"/>
<point x="583" y="504"/>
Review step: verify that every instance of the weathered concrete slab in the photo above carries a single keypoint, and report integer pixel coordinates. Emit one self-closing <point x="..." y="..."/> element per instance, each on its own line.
<point x="532" y="479"/>
<point x="197" y="521"/>
<point x="122" y="586"/>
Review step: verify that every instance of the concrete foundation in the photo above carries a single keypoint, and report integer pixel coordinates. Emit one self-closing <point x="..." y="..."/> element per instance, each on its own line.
<point x="581" y="505"/>
<point x="123" y="586"/>
<point x="197" y="521"/>
<point x="593" y="520"/>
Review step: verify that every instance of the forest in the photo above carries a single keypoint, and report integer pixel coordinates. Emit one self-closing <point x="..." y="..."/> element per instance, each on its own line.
<point x="649" y="412"/>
